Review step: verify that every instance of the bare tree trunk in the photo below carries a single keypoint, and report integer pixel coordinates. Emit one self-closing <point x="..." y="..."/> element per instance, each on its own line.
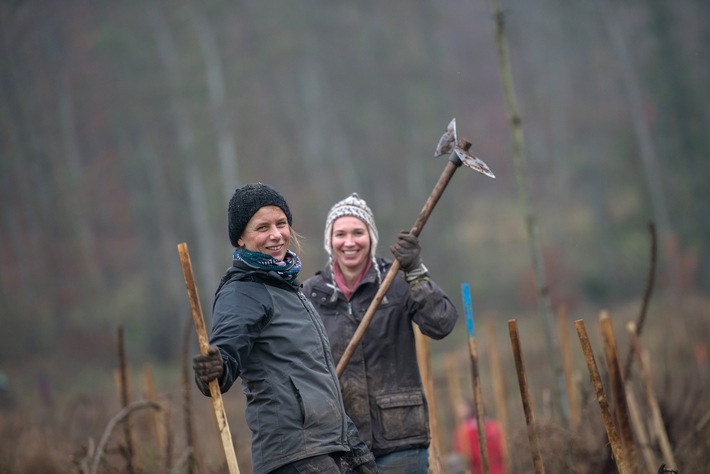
<point x="226" y="147"/>
<point x="647" y="151"/>
<point x="73" y="171"/>
<point x="25" y="176"/>
<point x="15" y="179"/>
<point x="197" y="194"/>
<point x="531" y="225"/>
<point x="160" y="196"/>
<point x="325" y="143"/>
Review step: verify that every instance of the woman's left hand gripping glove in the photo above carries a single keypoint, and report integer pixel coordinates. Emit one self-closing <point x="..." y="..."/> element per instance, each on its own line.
<point x="407" y="249"/>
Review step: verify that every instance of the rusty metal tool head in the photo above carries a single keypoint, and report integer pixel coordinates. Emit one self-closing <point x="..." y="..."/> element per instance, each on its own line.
<point x="450" y="144"/>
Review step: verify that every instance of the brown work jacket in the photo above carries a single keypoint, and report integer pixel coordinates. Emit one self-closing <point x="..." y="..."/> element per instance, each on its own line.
<point x="381" y="385"/>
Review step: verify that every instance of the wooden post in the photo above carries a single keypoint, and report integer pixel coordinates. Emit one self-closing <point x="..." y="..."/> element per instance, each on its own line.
<point x="125" y="400"/>
<point x="499" y="390"/>
<point x="156" y="417"/>
<point x="596" y="380"/>
<point x="194" y="457"/>
<point x="199" y="321"/>
<point x="567" y="364"/>
<point x="565" y="346"/>
<point x="476" y="380"/>
<point x="424" y="359"/>
<point x="454" y="385"/>
<point x="651" y="398"/>
<point x="619" y="394"/>
<point x="525" y="395"/>
<point x="639" y="428"/>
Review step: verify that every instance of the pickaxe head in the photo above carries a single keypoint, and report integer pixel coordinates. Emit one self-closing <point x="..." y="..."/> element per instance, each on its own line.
<point x="450" y="143"/>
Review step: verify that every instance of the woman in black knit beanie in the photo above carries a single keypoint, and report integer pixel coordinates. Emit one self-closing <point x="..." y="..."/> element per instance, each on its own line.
<point x="266" y="332"/>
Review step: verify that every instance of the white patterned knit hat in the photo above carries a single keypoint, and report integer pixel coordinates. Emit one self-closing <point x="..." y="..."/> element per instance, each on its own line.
<point x="355" y="207"/>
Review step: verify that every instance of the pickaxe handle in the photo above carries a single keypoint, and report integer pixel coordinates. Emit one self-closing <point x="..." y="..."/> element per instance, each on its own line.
<point x="217" y="403"/>
<point x="451" y="166"/>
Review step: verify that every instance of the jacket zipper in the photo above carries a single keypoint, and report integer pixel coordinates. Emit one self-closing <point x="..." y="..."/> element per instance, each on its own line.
<point x="326" y="353"/>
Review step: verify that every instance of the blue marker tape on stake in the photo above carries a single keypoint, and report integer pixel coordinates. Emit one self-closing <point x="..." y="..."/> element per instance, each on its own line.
<point x="468" y="308"/>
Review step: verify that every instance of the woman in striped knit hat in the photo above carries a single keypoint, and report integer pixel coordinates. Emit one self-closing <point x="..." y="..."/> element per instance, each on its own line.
<point x="381" y="385"/>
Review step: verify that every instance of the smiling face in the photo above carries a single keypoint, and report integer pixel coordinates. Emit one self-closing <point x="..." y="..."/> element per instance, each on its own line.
<point x="267" y="232"/>
<point x="351" y="243"/>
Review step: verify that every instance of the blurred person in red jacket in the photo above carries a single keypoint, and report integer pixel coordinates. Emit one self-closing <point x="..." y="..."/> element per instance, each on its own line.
<point x="466" y="441"/>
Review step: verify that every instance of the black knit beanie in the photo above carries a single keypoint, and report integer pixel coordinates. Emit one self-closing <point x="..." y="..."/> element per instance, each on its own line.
<point x="246" y="201"/>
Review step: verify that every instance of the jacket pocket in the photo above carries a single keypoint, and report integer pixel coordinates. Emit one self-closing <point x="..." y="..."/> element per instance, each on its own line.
<point x="318" y="408"/>
<point x="402" y="415"/>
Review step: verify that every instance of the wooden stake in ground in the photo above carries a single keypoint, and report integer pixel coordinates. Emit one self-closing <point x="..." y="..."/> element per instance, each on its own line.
<point x="475" y="378"/>
<point x="651" y="398"/>
<point x="424" y="358"/>
<point x="499" y="390"/>
<point x="567" y="363"/>
<point x="596" y="380"/>
<point x="619" y="394"/>
<point x="193" y="457"/>
<point x="125" y="400"/>
<point x="199" y="320"/>
<point x="525" y="394"/>
<point x="640" y="428"/>
<point x="575" y="418"/>
<point x="157" y="417"/>
<point x="454" y="384"/>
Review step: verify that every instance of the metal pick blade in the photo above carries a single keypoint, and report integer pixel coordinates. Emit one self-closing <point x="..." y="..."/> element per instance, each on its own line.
<point x="447" y="141"/>
<point x="473" y="162"/>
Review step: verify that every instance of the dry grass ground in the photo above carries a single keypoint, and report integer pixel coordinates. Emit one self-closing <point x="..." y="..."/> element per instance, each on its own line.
<point x="41" y="434"/>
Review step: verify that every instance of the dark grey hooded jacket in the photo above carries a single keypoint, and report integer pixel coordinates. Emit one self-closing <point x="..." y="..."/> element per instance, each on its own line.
<point x="381" y="384"/>
<point x="271" y="337"/>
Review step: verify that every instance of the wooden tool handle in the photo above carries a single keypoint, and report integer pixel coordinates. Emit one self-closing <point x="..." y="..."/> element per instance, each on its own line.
<point x="199" y="320"/>
<point x="431" y="201"/>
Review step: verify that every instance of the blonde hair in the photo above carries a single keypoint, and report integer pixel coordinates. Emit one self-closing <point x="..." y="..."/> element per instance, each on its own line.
<point x="295" y="239"/>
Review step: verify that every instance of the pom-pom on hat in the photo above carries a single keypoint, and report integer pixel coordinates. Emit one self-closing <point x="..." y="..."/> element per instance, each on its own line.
<point x="246" y="201"/>
<point x="355" y="207"/>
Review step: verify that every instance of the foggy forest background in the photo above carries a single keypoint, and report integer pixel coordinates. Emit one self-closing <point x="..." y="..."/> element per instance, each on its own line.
<point x="126" y="126"/>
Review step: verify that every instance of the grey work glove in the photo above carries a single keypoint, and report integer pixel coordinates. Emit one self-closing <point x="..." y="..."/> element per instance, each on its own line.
<point x="406" y="249"/>
<point x="369" y="467"/>
<point x="208" y="367"/>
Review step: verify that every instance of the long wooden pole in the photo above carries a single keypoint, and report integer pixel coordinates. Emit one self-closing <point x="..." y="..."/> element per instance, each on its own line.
<point x="454" y="385"/>
<point x="199" y="320"/>
<point x="618" y="393"/>
<point x="125" y="401"/>
<point x="424" y="358"/>
<point x="565" y="347"/>
<point x="157" y="417"/>
<point x="193" y="456"/>
<point x="658" y="426"/>
<point x="476" y="379"/>
<point x="567" y="364"/>
<point x="446" y="175"/>
<point x="640" y="429"/>
<point x="525" y="394"/>
<point x="596" y="380"/>
<point x="499" y="390"/>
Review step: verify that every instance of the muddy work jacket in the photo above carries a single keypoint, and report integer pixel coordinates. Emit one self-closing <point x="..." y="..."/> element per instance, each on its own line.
<point x="381" y="384"/>
<point x="269" y="335"/>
